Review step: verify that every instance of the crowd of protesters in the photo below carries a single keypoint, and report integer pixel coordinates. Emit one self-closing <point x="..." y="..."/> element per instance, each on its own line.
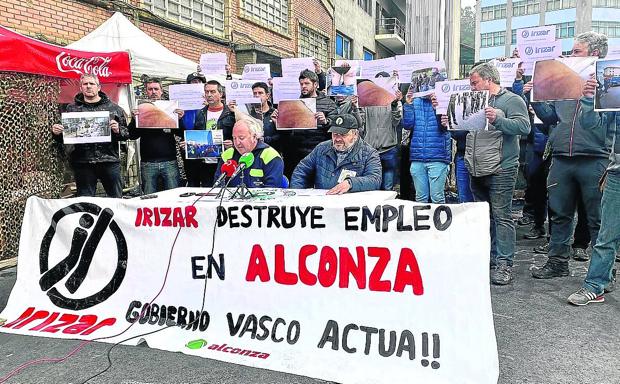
<point x="571" y="157"/>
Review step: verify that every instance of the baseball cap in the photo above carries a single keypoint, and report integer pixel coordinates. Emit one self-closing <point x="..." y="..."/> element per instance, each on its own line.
<point x="342" y="124"/>
<point x="196" y="75"/>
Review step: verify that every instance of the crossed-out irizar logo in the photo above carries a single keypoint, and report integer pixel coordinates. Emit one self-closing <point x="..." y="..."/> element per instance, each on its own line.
<point x="85" y="239"/>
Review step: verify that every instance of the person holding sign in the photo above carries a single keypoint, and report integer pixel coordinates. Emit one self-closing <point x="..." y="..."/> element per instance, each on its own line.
<point x="343" y="164"/>
<point x="267" y="167"/>
<point x="299" y="144"/>
<point x="94" y="161"/>
<point x="581" y="147"/>
<point x="492" y="158"/>
<point x="215" y="116"/>
<point x="158" y="154"/>
<point x="271" y="136"/>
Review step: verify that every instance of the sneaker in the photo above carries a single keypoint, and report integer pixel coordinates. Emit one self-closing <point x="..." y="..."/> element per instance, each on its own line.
<point x="535" y="233"/>
<point x="525" y="220"/>
<point x="501" y="275"/>
<point x="542" y="249"/>
<point x="551" y="269"/>
<point x="585" y="297"/>
<point x="612" y="284"/>
<point x="580" y="254"/>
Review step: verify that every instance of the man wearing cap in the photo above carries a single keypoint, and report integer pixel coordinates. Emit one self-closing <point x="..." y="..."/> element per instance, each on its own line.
<point x="343" y="164"/>
<point x="267" y="168"/>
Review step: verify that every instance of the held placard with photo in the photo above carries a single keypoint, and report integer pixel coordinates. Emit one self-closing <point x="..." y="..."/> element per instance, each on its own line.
<point x="86" y="127"/>
<point x="204" y="144"/>
<point x="466" y="111"/>
<point x="297" y="114"/>
<point x="157" y="114"/>
<point x="608" y="92"/>
<point x="561" y="78"/>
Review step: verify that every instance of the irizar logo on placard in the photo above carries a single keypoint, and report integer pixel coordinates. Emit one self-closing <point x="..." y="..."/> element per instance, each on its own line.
<point x="234" y="85"/>
<point x="525" y="34"/>
<point x="505" y="65"/>
<point x="445" y="88"/>
<point x="529" y="50"/>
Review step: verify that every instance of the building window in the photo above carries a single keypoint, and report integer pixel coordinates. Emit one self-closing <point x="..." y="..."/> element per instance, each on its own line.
<point x="366" y="5"/>
<point x="313" y="44"/>
<point x="525" y="7"/>
<point x="493" y="12"/>
<point x="368" y="55"/>
<point x="513" y="39"/>
<point x="608" y="28"/>
<point x="565" y="30"/>
<point x="606" y="3"/>
<point x="206" y="15"/>
<point x="272" y="13"/>
<point x="493" y="39"/>
<point x="343" y="46"/>
<point x="552" y="5"/>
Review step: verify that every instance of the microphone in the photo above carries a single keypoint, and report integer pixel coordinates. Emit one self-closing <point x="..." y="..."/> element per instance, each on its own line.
<point x="245" y="161"/>
<point x="227" y="169"/>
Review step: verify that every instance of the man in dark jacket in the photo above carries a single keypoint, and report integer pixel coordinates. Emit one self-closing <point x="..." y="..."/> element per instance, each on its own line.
<point x="215" y="116"/>
<point x="270" y="135"/>
<point x="581" y="145"/>
<point x="96" y="161"/>
<point x="158" y="152"/>
<point x="299" y="144"/>
<point x="343" y="164"/>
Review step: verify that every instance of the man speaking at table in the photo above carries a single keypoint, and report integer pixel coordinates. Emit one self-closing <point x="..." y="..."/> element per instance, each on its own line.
<point x="344" y="164"/>
<point x="263" y="164"/>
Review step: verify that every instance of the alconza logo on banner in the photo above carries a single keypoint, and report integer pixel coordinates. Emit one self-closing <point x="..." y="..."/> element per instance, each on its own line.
<point x="83" y="245"/>
<point x="96" y="65"/>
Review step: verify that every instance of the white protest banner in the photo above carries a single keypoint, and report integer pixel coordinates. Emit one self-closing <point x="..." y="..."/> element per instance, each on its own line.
<point x="372" y="68"/>
<point x="407" y="64"/>
<point x="213" y="63"/>
<point x="293" y="66"/>
<point x="238" y="89"/>
<point x="544" y="34"/>
<point x="189" y="96"/>
<point x="507" y="70"/>
<point x="530" y="53"/>
<point x="350" y="289"/>
<point x="444" y="89"/>
<point x="257" y="72"/>
<point x="86" y="127"/>
<point x="285" y="88"/>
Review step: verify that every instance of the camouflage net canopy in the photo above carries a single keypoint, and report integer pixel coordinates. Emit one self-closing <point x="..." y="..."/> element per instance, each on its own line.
<point x="31" y="162"/>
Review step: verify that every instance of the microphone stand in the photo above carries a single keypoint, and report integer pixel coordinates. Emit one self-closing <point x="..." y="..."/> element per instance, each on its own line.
<point x="223" y="190"/>
<point x="242" y="189"/>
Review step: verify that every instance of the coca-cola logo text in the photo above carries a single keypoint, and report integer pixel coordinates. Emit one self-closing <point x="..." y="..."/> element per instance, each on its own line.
<point x="96" y="65"/>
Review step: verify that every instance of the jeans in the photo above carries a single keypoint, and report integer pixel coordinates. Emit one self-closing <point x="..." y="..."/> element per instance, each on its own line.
<point x="536" y="191"/>
<point x="167" y="170"/>
<point x="429" y="180"/>
<point x="389" y="163"/>
<point x="567" y="178"/>
<point x="463" y="182"/>
<point x="497" y="190"/>
<point x="86" y="175"/>
<point x="608" y="241"/>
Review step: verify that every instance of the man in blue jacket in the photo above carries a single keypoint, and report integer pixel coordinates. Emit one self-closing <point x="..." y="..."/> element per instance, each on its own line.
<point x="343" y="164"/>
<point x="581" y="143"/>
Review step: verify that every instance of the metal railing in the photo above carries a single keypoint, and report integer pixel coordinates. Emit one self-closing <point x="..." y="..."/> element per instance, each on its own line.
<point x="393" y="26"/>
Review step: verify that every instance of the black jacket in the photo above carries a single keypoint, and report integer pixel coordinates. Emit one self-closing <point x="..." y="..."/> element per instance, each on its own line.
<point x="271" y="135"/>
<point x="98" y="152"/>
<point x="225" y="122"/>
<point x="156" y="145"/>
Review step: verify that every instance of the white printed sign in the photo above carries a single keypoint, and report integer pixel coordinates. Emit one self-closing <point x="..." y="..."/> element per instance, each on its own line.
<point x="613" y="52"/>
<point x="544" y="34"/>
<point x="531" y="53"/>
<point x="285" y="88"/>
<point x="189" y="96"/>
<point x="336" y="283"/>
<point x="444" y="89"/>
<point x="292" y="67"/>
<point x="507" y="70"/>
<point x="213" y="63"/>
<point x="238" y="89"/>
<point x="407" y="64"/>
<point x="380" y="67"/>
<point x="257" y="72"/>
